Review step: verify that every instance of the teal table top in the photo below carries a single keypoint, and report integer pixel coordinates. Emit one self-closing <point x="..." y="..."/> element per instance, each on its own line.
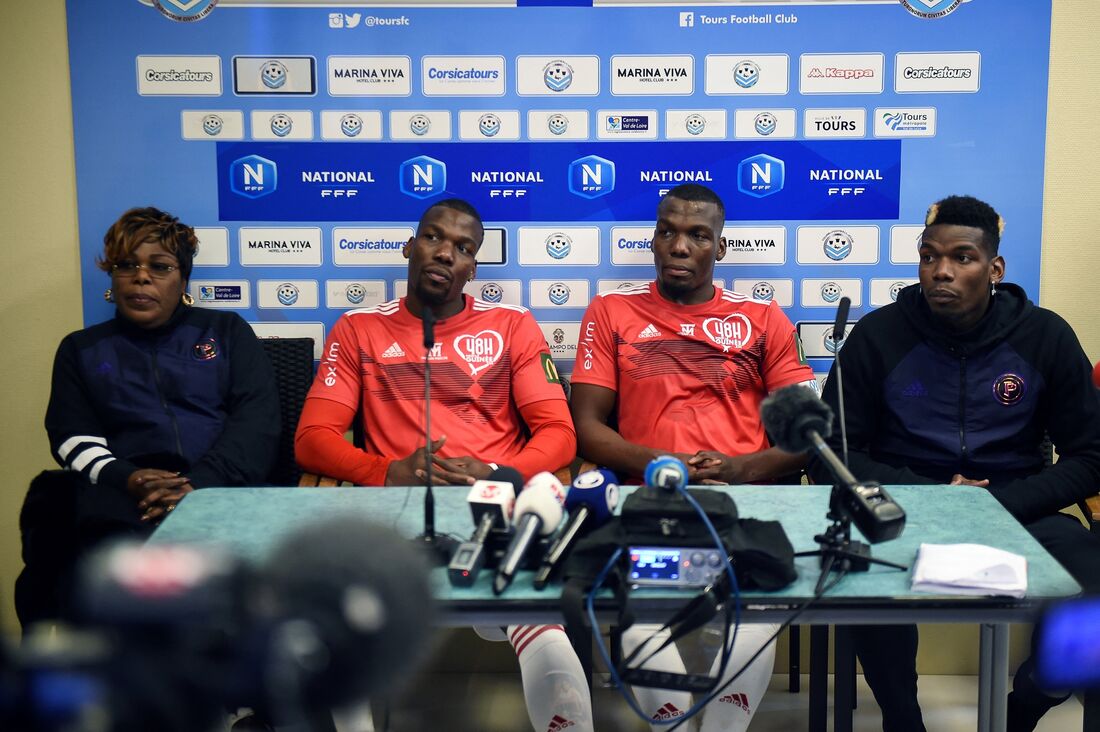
<point x="250" y="522"/>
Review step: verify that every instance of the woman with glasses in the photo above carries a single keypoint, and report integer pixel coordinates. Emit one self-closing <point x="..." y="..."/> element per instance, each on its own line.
<point x="160" y="400"/>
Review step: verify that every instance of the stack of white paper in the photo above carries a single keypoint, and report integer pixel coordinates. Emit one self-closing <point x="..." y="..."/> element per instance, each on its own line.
<point x="969" y="569"/>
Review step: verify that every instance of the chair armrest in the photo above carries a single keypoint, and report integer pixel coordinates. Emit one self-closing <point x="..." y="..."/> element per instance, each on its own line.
<point x="312" y="480"/>
<point x="1093" y="505"/>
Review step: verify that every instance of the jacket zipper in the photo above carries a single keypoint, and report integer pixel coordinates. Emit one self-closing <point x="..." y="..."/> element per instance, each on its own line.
<point x="164" y="404"/>
<point x="962" y="408"/>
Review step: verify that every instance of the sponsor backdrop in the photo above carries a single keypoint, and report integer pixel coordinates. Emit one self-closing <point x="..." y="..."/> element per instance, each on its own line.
<point x="304" y="143"/>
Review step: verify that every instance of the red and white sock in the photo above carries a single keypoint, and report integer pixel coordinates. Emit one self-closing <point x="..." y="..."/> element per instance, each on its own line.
<point x="734" y="708"/>
<point x="659" y="704"/>
<point x="554" y="684"/>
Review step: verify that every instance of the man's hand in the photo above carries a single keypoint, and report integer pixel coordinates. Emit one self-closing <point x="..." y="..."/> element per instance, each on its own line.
<point x="147" y="480"/>
<point x="456" y="471"/>
<point x="958" y="479"/>
<point x="160" y="502"/>
<point x="406" y="470"/>
<point x="710" y="467"/>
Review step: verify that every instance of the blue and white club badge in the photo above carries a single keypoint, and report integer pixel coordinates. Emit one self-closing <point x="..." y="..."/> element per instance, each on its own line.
<point x="764" y="123"/>
<point x="488" y="124"/>
<point x="763" y="291"/>
<point x="355" y="293"/>
<point x="837" y="245"/>
<point x="830" y="345"/>
<point x="558" y="124"/>
<point x="746" y="74"/>
<point x="830" y="292"/>
<point x="491" y="292"/>
<point x="212" y="124"/>
<point x="931" y="9"/>
<point x="895" y="290"/>
<point x="558" y="293"/>
<point x="559" y="245"/>
<point x="351" y="125"/>
<point x="273" y="74"/>
<point x="695" y="124"/>
<point x="558" y="75"/>
<point x="185" y="11"/>
<point x="419" y="124"/>
<point x="281" y="125"/>
<point x="287" y="294"/>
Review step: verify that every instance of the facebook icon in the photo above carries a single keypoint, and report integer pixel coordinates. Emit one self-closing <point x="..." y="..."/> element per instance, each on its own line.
<point x="760" y="176"/>
<point x="423" y="177"/>
<point x="253" y="176"/>
<point x="591" y="176"/>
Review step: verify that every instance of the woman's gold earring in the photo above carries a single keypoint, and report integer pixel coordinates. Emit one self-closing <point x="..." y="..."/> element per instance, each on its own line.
<point x="186" y="299"/>
<point x="108" y="295"/>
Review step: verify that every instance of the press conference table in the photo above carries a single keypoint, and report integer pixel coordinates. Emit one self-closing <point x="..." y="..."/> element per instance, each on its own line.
<point x="251" y="522"/>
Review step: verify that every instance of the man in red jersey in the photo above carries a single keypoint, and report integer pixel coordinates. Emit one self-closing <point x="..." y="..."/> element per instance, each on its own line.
<point x="680" y="366"/>
<point x="496" y="398"/>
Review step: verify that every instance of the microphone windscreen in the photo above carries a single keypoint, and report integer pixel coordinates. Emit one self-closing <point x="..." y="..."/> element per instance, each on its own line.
<point x="543" y="497"/>
<point x="364" y="589"/>
<point x="596" y="489"/>
<point x="1096" y="375"/>
<point x="841" y="321"/>
<point x="790" y="412"/>
<point x="666" y="472"/>
<point x="508" y="474"/>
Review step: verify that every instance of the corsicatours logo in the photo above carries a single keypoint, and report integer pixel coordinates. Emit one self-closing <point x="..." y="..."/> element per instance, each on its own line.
<point x="423" y="177"/>
<point x="761" y="175"/>
<point x="591" y="176"/>
<point x="253" y="176"/>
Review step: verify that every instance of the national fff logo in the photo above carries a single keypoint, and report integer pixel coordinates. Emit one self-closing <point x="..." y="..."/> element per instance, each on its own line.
<point x="253" y="176"/>
<point x="423" y="177"/>
<point x="761" y="175"/>
<point x="591" y="176"/>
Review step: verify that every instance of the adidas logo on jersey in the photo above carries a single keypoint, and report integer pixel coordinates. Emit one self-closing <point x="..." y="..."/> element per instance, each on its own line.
<point x="737" y="699"/>
<point x="668" y="711"/>
<point x="650" y="331"/>
<point x="559" y="723"/>
<point x="394" y="351"/>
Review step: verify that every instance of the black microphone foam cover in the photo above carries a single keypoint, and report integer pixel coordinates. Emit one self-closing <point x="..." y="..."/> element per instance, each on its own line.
<point x="507" y="474"/>
<point x="790" y="412"/>
<point x="365" y="590"/>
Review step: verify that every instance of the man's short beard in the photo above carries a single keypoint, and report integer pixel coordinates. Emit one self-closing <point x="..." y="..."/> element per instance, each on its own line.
<point x="676" y="288"/>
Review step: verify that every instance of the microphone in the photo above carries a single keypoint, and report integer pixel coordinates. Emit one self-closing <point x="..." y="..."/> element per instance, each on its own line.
<point x="665" y="473"/>
<point x="841" y="321"/>
<point x="839" y="325"/>
<point x="491" y="503"/>
<point x="538" y="511"/>
<point x="591" y="501"/>
<point x="427" y="319"/>
<point x="798" y="421"/>
<point x="440" y="546"/>
<point x="1096" y="375"/>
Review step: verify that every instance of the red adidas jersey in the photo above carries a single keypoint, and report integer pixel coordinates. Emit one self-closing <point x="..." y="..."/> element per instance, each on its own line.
<point x="488" y="361"/>
<point x="689" y="377"/>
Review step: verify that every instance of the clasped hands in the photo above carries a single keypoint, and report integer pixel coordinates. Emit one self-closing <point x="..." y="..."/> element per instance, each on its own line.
<point x="710" y="467"/>
<point x="157" y="491"/>
<point x="412" y="469"/>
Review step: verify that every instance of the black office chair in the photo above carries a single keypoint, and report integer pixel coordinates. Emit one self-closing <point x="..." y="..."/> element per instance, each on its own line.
<point x="292" y="361"/>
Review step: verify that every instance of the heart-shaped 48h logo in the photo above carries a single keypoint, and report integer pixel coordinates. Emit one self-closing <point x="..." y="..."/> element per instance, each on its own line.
<point x="480" y="350"/>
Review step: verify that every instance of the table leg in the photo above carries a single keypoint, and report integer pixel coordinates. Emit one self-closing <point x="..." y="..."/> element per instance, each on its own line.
<point x="794" y="659"/>
<point x="819" y="678"/>
<point x="993" y="678"/>
<point x="844" y="676"/>
<point x="581" y="638"/>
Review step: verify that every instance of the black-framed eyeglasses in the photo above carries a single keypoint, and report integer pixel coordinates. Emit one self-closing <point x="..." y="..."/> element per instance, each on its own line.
<point x="157" y="270"/>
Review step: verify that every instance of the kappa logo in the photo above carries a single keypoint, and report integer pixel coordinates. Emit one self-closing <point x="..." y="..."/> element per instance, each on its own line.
<point x="668" y="711"/>
<point x="650" y="331"/>
<point x="558" y="723"/>
<point x="480" y="350"/>
<point x="394" y="351"/>
<point x="1009" y="389"/>
<point x="733" y="331"/>
<point x="737" y="699"/>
